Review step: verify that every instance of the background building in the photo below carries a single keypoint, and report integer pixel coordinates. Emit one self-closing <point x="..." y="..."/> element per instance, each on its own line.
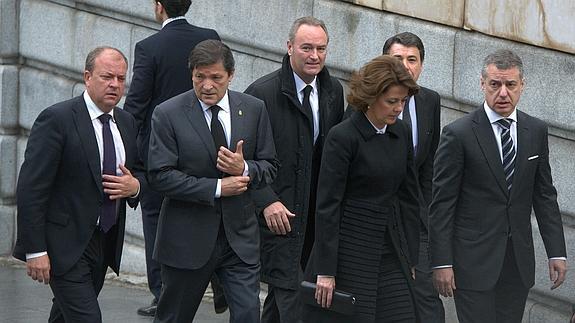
<point x="43" y="44"/>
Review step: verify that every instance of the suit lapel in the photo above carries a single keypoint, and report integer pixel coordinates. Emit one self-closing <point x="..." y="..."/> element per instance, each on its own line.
<point x="196" y="117"/>
<point x="422" y="129"/>
<point x="86" y="134"/>
<point x="522" y="147"/>
<point x="484" y="133"/>
<point x="237" y="120"/>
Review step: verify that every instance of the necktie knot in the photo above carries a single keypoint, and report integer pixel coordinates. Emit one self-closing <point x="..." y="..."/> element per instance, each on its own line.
<point x="215" y="110"/>
<point x="505" y="123"/>
<point x="307" y="90"/>
<point x="105" y="118"/>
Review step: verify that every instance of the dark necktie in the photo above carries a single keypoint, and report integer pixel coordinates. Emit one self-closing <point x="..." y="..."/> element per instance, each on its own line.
<point x="108" y="217"/>
<point x="217" y="130"/>
<point x="307" y="106"/>
<point x="507" y="150"/>
<point x="407" y="114"/>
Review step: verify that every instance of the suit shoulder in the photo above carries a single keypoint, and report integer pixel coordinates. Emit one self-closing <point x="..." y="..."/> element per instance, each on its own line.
<point x="266" y="82"/>
<point x="63" y="108"/>
<point x="464" y="123"/>
<point x="247" y="99"/>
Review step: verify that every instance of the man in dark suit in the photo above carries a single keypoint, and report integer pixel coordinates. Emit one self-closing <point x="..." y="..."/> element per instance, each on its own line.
<point x="422" y="115"/>
<point x="161" y="72"/>
<point x="207" y="221"/>
<point x="491" y="169"/>
<point x="73" y="187"/>
<point x="300" y="120"/>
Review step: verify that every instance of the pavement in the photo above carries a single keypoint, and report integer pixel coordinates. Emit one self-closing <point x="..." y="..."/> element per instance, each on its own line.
<point x="23" y="300"/>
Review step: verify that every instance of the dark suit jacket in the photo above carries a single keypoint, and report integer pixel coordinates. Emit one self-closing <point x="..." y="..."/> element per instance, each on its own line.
<point x="60" y="192"/>
<point x="472" y="213"/>
<point x="182" y="167"/>
<point x="161" y="72"/>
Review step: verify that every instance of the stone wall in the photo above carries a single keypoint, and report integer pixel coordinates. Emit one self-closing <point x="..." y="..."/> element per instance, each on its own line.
<point x="43" y="45"/>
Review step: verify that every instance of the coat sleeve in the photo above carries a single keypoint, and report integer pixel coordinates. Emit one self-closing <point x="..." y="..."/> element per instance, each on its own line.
<point x="163" y="174"/>
<point x="336" y="159"/>
<point x="263" y="167"/>
<point x="447" y="178"/>
<point x="36" y="179"/>
<point x="545" y="204"/>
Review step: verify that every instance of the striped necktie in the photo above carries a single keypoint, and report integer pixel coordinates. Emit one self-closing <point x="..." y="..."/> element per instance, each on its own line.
<point x="507" y="150"/>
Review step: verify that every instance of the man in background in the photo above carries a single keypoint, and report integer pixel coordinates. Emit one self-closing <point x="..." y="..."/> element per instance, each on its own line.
<point x="161" y="72"/>
<point x="303" y="102"/>
<point x="422" y="116"/>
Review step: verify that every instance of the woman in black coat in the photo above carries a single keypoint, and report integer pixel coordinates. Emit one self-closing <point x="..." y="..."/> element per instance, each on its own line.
<point x="367" y="196"/>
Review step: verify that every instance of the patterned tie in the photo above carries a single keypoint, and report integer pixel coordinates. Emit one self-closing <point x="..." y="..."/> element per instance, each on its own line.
<point x="507" y="150"/>
<point x="407" y="114"/>
<point x="217" y="130"/>
<point x="108" y="217"/>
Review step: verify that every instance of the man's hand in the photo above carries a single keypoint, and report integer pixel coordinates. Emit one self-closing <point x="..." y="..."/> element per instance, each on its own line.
<point x="557" y="271"/>
<point x="234" y="185"/>
<point x="120" y="186"/>
<point x="324" y="291"/>
<point x="444" y="281"/>
<point x="231" y="163"/>
<point x="277" y="218"/>
<point x="39" y="268"/>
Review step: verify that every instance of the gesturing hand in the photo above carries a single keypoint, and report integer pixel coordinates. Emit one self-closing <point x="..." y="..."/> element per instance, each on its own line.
<point x="120" y="186"/>
<point x="229" y="162"/>
<point x="234" y="185"/>
<point x="277" y="218"/>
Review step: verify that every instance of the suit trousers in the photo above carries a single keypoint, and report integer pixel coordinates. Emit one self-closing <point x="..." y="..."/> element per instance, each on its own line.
<point x="76" y="291"/>
<point x="281" y="305"/>
<point x="504" y="303"/>
<point x="183" y="289"/>
<point x="151" y="203"/>
<point x="427" y="302"/>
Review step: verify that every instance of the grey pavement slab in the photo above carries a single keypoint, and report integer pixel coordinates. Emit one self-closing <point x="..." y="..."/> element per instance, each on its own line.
<point x="23" y="300"/>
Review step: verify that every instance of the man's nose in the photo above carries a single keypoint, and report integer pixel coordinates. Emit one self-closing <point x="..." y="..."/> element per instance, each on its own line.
<point x="503" y="92"/>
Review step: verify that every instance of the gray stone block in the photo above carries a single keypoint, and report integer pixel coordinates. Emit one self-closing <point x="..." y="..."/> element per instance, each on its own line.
<point x="537" y="312"/>
<point x="563" y="171"/>
<point x="261" y="23"/>
<point x="39" y="90"/>
<point x="134" y="223"/>
<point x="243" y="75"/>
<point x="8" y="166"/>
<point x="7" y="229"/>
<point x="263" y="67"/>
<point x="356" y="33"/>
<point x="20" y="149"/>
<point x="140" y="9"/>
<point x="545" y="97"/>
<point x="8" y="28"/>
<point x="8" y="98"/>
<point x="47" y="32"/>
<point x="438" y="62"/>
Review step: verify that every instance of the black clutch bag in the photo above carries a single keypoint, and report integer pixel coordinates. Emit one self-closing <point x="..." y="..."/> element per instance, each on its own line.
<point x="342" y="302"/>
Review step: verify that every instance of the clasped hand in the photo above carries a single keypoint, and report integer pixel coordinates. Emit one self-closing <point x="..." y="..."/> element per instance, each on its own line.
<point x="229" y="162"/>
<point x="120" y="186"/>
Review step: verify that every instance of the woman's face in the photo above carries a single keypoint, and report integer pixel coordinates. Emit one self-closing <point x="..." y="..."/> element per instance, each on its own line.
<point x="387" y="106"/>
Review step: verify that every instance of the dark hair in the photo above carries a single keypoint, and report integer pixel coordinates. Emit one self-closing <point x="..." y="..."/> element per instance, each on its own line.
<point x="503" y="59"/>
<point x="94" y="53"/>
<point x="374" y="78"/>
<point x="309" y="20"/>
<point x="406" y="39"/>
<point x="211" y="52"/>
<point x="175" y="8"/>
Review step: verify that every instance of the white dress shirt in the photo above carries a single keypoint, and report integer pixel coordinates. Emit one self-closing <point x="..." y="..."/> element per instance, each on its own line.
<point x="313" y="100"/>
<point x="413" y="115"/>
<point x="167" y="21"/>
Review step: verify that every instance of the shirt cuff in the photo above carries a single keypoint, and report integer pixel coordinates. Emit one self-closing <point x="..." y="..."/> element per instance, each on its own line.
<point x="246" y="169"/>
<point x="35" y="255"/>
<point x="218" y="189"/>
<point x="442" y="266"/>
<point x="558" y="258"/>
<point x="325" y="276"/>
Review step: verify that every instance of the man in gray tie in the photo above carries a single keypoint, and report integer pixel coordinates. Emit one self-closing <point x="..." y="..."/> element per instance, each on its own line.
<point x="491" y="169"/>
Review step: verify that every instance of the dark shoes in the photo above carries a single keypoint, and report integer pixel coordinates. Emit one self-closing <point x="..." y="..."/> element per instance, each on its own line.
<point x="149" y="310"/>
<point x="220" y="303"/>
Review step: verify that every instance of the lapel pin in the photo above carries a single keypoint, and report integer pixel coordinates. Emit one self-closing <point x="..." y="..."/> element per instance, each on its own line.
<point x="240" y="112"/>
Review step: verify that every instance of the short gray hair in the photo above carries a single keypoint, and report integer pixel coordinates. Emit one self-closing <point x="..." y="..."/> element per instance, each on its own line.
<point x="309" y="20"/>
<point x="503" y="59"/>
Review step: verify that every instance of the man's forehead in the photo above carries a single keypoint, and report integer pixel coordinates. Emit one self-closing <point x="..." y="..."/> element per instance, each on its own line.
<point x="493" y="72"/>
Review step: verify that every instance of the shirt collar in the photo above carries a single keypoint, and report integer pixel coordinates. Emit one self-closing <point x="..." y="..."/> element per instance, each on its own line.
<point x="167" y="21"/>
<point x="377" y="130"/>
<point x="300" y="84"/>
<point x="93" y="109"/>
<point x="224" y="104"/>
<point x="494" y="116"/>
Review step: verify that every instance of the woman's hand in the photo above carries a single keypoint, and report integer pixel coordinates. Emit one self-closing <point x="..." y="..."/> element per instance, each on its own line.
<point x="324" y="290"/>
